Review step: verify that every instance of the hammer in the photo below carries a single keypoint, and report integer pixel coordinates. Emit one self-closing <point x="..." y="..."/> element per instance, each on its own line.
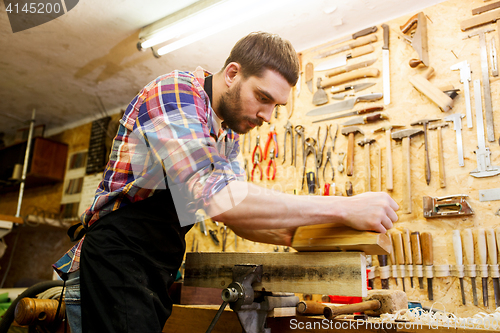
<point x="378" y="301"/>
<point x="367" y="142"/>
<point x="388" y="129"/>
<point x="438" y="126"/>
<point x="425" y="122"/>
<point x="350" y="132"/>
<point x="404" y="136"/>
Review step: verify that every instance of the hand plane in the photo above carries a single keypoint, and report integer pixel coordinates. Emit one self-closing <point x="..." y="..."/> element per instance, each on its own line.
<point x="452" y="205"/>
<point x="418" y="40"/>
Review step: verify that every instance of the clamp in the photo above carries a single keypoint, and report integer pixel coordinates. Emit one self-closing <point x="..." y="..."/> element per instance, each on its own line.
<point x="257" y="158"/>
<point x="272" y="136"/>
<point x="271" y="164"/>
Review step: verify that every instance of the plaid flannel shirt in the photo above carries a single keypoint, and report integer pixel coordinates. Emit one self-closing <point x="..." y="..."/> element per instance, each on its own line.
<point x="167" y="129"/>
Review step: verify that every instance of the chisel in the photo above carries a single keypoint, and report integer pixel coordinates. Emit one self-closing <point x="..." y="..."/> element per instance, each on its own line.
<point x="492" y="258"/>
<point x="468" y="247"/>
<point x="426" y="239"/>
<point x="416" y="253"/>
<point x="393" y="261"/>
<point x="382" y="261"/>
<point x="481" y="248"/>
<point x="397" y="240"/>
<point x="457" y="249"/>
<point x="408" y="254"/>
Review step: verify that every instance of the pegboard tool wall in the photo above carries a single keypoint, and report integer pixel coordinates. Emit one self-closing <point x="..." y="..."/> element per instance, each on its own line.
<point x="446" y="47"/>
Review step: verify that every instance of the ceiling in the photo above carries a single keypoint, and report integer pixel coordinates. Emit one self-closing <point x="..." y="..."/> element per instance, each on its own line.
<point x="85" y="63"/>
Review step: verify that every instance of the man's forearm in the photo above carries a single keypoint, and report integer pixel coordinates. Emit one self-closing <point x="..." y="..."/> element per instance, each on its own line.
<point x="247" y="205"/>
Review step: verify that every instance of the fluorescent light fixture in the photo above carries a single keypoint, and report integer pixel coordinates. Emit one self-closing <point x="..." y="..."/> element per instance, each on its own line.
<point x="201" y="20"/>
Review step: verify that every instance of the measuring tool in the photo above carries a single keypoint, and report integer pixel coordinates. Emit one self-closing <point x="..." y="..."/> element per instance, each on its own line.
<point x="465" y="77"/>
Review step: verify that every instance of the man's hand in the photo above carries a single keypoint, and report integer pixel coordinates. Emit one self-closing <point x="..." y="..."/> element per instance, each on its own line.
<point x="374" y="211"/>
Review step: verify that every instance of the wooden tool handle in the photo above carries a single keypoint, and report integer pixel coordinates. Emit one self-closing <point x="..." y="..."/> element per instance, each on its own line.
<point x="309" y="71"/>
<point x="310" y="307"/>
<point x="373" y="109"/>
<point x="350" y="155"/>
<point x="415" y="63"/>
<point x="416" y="249"/>
<point x="382" y="260"/>
<point x="481" y="246"/>
<point x="32" y="310"/>
<point x="363" y="41"/>
<point x="442" y="177"/>
<point x="336" y="71"/>
<point x="350" y="76"/>
<point x="426" y="239"/>
<point x="428" y="73"/>
<point x="357" y="52"/>
<point x="391" y="254"/>
<point x="468" y="246"/>
<point x="397" y="241"/>
<point x="420" y="83"/>
<point x="388" y="149"/>
<point x="409" y="24"/>
<point x="331" y="312"/>
<point x="492" y="246"/>
<point x="497" y="237"/>
<point x="407" y="247"/>
<point x="457" y="247"/>
<point x="375" y="117"/>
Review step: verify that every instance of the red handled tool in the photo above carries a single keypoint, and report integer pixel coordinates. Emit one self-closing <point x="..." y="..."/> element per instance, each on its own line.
<point x="272" y="136"/>
<point x="271" y="164"/>
<point x="257" y="158"/>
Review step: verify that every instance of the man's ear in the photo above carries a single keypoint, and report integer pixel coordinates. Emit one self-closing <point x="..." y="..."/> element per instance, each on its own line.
<point x="232" y="72"/>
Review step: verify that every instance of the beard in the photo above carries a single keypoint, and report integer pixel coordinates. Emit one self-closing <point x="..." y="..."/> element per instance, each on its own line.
<point x="230" y="109"/>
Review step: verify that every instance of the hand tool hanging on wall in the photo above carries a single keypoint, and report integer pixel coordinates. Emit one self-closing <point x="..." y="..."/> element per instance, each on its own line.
<point x="341" y="157"/>
<point x="457" y="250"/>
<point x="416" y="254"/>
<point x="271" y="136"/>
<point x="348" y="77"/>
<point x="448" y="206"/>
<point x="404" y="136"/>
<point x="365" y="119"/>
<point x="348" y="189"/>
<point x="388" y="151"/>
<point x="344" y="105"/>
<point x="424" y="123"/>
<point x="386" y="67"/>
<point x="350" y="132"/>
<point x="397" y="242"/>
<point x="353" y="87"/>
<point x="320" y="97"/>
<point x="419" y="39"/>
<point x="408" y="254"/>
<point x="299" y="131"/>
<point x="342" y="60"/>
<point x="428" y="256"/>
<point x="493" y="57"/>
<point x="468" y="247"/>
<point x="257" y="158"/>
<point x="483" y="266"/>
<point x="442" y="177"/>
<point x="321" y="148"/>
<point x="456" y="118"/>
<point x="359" y="42"/>
<point x="479" y="20"/>
<point x="465" y="77"/>
<point x="309" y="76"/>
<point x="366" y="143"/>
<point x="382" y="260"/>
<point x="329" y="152"/>
<point x="493" y="261"/>
<point x="351" y="113"/>
<point x="350" y="68"/>
<point x="288" y="132"/>
<point x="271" y="165"/>
<point x="488" y="107"/>
<point x="422" y="84"/>
<point x="486" y="8"/>
<point x="355" y="35"/>
<point x="483" y="154"/>
<point x="308" y="150"/>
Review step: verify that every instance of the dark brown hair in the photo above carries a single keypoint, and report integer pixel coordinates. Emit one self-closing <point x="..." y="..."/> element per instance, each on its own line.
<point x="261" y="50"/>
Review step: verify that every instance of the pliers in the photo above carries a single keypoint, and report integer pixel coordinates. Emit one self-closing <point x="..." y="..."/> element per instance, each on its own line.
<point x="257" y="158"/>
<point x="272" y="136"/>
<point x="271" y="164"/>
<point x="329" y="153"/>
<point x="309" y="149"/>
<point x="288" y="131"/>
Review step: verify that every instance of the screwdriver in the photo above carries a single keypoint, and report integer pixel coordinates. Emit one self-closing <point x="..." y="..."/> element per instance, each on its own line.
<point x="427" y="252"/>
<point x="457" y="249"/>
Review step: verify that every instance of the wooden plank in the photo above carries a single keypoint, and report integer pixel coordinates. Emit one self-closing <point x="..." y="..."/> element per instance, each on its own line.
<point x="10" y="218"/>
<point x="326" y="237"/>
<point x="486" y="8"/>
<point x="325" y="273"/>
<point x="480" y="20"/>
